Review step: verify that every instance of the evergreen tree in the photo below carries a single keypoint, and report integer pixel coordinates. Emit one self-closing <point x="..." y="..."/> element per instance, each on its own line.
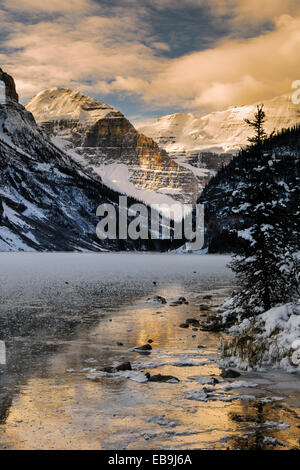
<point x="293" y="259"/>
<point x="258" y="125"/>
<point x="264" y="265"/>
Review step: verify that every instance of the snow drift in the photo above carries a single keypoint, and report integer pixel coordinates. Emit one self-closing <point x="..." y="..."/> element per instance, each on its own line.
<point x="269" y="339"/>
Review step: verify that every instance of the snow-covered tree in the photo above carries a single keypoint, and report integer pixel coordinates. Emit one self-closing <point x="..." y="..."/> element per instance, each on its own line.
<point x="265" y="265"/>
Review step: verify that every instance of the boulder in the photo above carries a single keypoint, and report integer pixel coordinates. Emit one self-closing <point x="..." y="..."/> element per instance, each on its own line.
<point x="179" y="301"/>
<point x="145" y="347"/>
<point x="229" y="374"/>
<point x="192" y="321"/>
<point x="119" y="367"/>
<point x="204" y="307"/>
<point x="123" y="366"/>
<point x="161" y="378"/>
<point x="109" y="370"/>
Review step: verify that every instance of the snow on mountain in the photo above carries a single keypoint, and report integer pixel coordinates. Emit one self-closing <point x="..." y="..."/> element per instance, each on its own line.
<point x="220" y="131"/>
<point x="57" y="104"/>
<point x="48" y="201"/>
<point x="102" y="139"/>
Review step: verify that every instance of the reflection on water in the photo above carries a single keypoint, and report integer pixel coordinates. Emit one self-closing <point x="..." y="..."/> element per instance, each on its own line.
<point x="91" y="323"/>
<point x="265" y="424"/>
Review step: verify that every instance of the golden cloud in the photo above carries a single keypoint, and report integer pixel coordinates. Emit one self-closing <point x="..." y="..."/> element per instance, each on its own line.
<point x="51" y="6"/>
<point x="120" y="54"/>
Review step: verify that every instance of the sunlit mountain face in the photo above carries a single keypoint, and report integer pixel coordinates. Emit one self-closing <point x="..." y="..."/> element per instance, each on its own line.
<point x="100" y="136"/>
<point x="220" y="131"/>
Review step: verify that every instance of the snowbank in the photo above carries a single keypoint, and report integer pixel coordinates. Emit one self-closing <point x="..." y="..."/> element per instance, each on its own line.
<point x="269" y="339"/>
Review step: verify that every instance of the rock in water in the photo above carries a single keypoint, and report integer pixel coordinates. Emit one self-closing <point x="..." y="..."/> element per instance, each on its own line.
<point x="192" y="321"/>
<point x="229" y="374"/>
<point x="145" y="347"/>
<point x="123" y="366"/>
<point x="204" y="307"/>
<point x="109" y="369"/>
<point x="179" y="301"/>
<point x="161" y="378"/>
<point x="118" y="368"/>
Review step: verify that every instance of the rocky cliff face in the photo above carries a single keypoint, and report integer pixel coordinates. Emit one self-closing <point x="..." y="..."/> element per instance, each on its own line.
<point x="47" y="200"/>
<point x="10" y="87"/>
<point x="104" y="140"/>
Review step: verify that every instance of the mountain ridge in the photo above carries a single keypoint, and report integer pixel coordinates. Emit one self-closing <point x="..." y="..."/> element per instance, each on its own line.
<point x="186" y="132"/>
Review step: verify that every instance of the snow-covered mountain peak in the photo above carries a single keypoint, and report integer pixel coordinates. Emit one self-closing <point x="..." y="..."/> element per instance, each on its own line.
<point x="56" y="104"/>
<point x="220" y="130"/>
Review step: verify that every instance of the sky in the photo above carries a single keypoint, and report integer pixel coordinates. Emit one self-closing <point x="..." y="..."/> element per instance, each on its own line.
<point x="153" y="57"/>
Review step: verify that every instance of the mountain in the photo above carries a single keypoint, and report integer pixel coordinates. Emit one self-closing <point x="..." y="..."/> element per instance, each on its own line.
<point x="225" y="213"/>
<point x="102" y="139"/>
<point x="220" y="131"/>
<point x="48" y="201"/>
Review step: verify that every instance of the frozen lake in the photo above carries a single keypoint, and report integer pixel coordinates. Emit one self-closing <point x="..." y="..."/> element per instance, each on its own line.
<point x="64" y="316"/>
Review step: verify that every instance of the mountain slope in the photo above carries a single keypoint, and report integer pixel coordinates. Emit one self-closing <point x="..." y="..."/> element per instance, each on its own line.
<point x="220" y="196"/>
<point x="47" y="200"/>
<point x="220" y="131"/>
<point x="101" y="138"/>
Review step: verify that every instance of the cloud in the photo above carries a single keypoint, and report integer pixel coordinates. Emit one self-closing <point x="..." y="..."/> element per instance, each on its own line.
<point x="88" y="52"/>
<point x="113" y="50"/>
<point x="234" y="72"/>
<point x="255" y="10"/>
<point x="239" y="10"/>
<point x="51" y="6"/>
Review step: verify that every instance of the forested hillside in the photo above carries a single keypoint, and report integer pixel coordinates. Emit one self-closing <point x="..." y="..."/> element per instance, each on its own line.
<point x="221" y="195"/>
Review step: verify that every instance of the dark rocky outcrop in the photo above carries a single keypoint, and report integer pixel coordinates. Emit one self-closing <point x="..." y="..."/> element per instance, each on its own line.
<point x="9" y="86"/>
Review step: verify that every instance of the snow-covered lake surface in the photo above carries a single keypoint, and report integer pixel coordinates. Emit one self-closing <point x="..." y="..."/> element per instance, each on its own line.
<point x="63" y="317"/>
